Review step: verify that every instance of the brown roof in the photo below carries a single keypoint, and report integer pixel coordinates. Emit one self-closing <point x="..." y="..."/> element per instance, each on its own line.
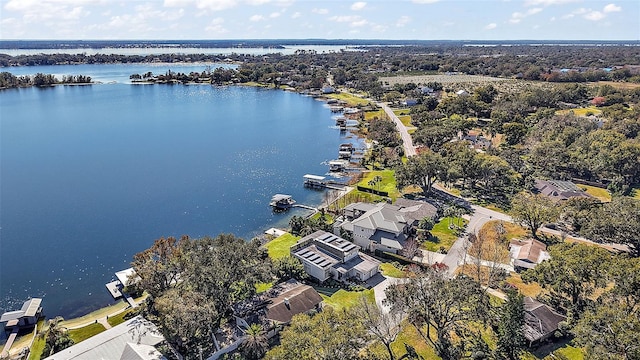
<point x="540" y="320"/>
<point x="530" y="249"/>
<point x="300" y="299"/>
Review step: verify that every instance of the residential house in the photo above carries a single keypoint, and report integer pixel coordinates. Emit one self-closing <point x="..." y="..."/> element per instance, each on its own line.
<point x="559" y="190"/>
<point x="277" y="305"/>
<point x="462" y="93"/>
<point x="540" y="321"/>
<point x="384" y="226"/>
<point x="411" y="102"/>
<point x="476" y="139"/>
<point x="26" y="317"/>
<point x="526" y="254"/>
<point x="270" y="309"/>
<point x="135" y="339"/>
<point x="325" y="255"/>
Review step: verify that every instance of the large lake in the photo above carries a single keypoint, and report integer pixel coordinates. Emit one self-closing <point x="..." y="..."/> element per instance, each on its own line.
<point x="90" y="175"/>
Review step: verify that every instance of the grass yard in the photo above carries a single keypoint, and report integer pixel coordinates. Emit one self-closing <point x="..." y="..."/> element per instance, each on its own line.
<point x="279" y="247"/>
<point x="598" y="193"/>
<point x="343" y="299"/>
<point x="531" y="289"/>
<point x="581" y="112"/>
<point x="86" y="332"/>
<point x="118" y="319"/>
<point x="388" y="269"/>
<point x="369" y="115"/>
<point x="35" y="353"/>
<point x="442" y="235"/>
<point x="409" y="335"/>
<point x="387" y="184"/>
<point x="350" y="99"/>
<point x="512" y="230"/>
<point x="116" y="308"/>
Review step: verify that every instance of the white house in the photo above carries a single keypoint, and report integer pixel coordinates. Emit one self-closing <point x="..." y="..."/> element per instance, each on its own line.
<point x="378" y="226"/>
<point x="526" y="254"/>
<point x="325" y="255"/>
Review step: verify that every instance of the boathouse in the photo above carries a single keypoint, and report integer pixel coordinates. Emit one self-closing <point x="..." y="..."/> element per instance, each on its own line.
<point x="281" y="202"/>
<point x="26" y="317"/>
<point x="314" y="181"/>
<point x="337" y="165"/>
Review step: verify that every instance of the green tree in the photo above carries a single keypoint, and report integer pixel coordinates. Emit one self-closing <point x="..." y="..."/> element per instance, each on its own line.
<point x="533" y="211"/>
<point x="438" y="307"/>
<point x="608" y="332"/>
<point x="617" y="221"/>
<point x="511" y="340"/>
<point x="56" y="338"/>
<point x="421" y="170"/>
<point x="328" y="335"/>
<point x="289" y="267"/>
<point x="568" y="278"/>
<point x="383" y="326"/>
<point x="255" y="343"/>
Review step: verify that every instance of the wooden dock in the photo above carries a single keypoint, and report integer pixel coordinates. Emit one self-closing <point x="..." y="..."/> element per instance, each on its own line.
<point x="9" y="343"/>
<point x="114" y="289"/>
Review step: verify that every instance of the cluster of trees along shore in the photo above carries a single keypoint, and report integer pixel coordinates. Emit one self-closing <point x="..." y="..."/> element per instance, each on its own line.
<point x="193" y="282"/>
<point x="8" y="80"/>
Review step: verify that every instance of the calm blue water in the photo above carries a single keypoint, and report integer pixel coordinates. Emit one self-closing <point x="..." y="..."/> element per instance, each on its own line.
<point x="107" y="73"/>
<point x="90" y="175"/>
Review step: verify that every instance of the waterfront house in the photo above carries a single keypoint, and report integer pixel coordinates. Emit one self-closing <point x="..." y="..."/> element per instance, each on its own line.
<point x="277" y="305"/>
<point x="540" y="321"/>
<point x="26" y="317"/>
<point x="325" y="255"/>
<point x="384" y="226"/>
<point x="135" y="339"/>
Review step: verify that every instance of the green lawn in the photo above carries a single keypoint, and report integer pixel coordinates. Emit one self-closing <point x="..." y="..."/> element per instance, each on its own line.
<point x="443" y="235"/>
<point x="279" y="247"/>
<point x="350" y="99"/>
<point x="592" y="110"/>
<point x="387" y="184"/>
<point x="37" y="348"/>
<point x="369" y="115"/>
<point x="342" y="298"/>
<point x="118" y="319"/>
<point x="599" y="193"/>
<point x="388" y="269"/>
<point x="86" y="332"/>
<point x="409" y="335"/>
<point x="96" y="315"/>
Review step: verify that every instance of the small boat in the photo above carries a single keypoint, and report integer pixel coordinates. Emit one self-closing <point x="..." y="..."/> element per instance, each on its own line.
<point x="281" y="202"/>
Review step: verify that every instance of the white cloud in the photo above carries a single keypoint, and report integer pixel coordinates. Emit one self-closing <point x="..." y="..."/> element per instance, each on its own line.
<point x="296" y="15"/>
<point x="213" y="5"/>
<point x="402" y="21"/>
<point x="594" y="15"/>
<point x="353" y="20"/>
<point x="274" y="15"/>
<point x="255" y="18"/>
<point x="611" y="8"/>
<point x="491" y="26"/>
<point x="216" y="27"/>
<point x="547" y="2"/>
<point x="516" y="17"/>
<point x="320" y="11"/>
<point x="425" y="1"/>
<point x="358" y="5"/>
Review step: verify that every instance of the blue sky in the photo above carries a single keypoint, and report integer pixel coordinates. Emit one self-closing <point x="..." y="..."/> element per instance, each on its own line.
<point x="332" y="19"/>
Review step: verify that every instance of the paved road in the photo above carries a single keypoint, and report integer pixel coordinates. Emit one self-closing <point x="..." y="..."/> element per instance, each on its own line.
<point x="409" y="149"/>
<point x="457" y="253"/>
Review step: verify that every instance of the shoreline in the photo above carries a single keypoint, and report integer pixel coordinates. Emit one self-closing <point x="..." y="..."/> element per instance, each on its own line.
<point x="120" y="306"/>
